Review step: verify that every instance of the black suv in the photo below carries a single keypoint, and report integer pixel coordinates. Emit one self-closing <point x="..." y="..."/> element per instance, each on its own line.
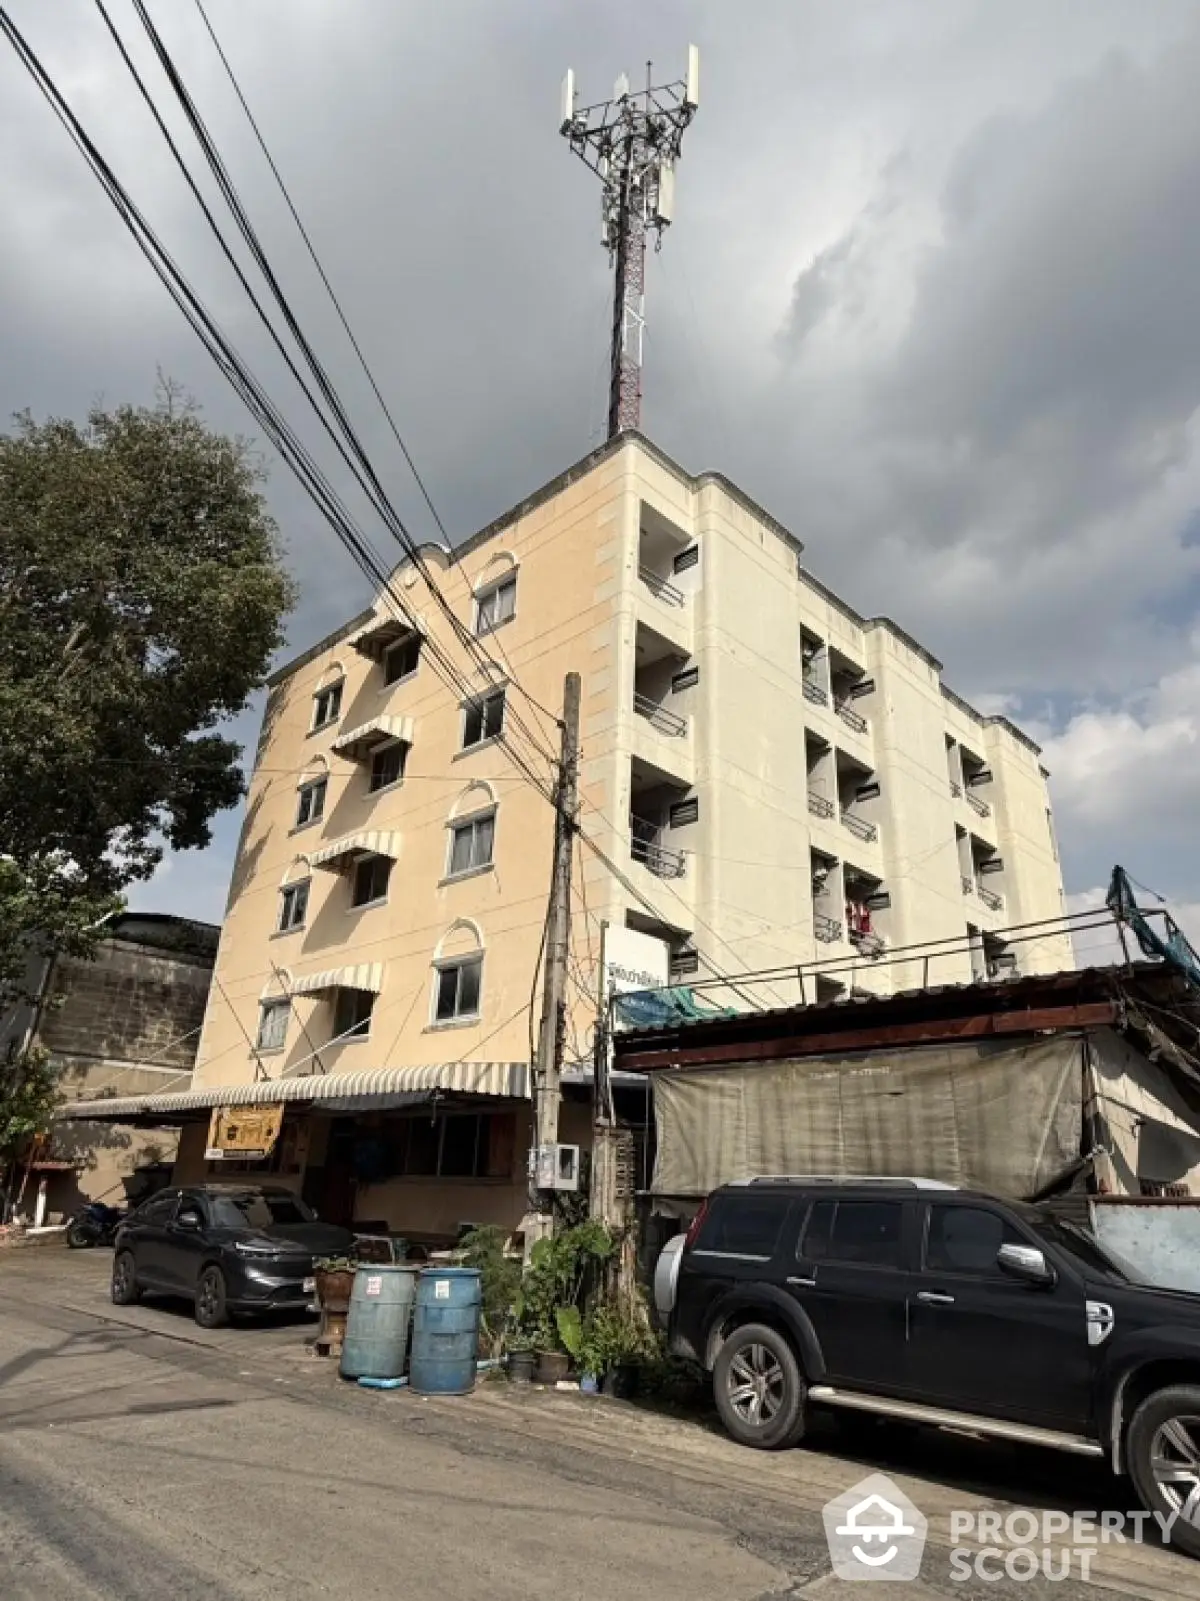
<point x="229" y="1249"/>
<point x="914" y="1300"/>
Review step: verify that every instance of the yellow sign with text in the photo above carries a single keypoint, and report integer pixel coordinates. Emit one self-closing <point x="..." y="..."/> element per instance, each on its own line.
<point x="243" y="1133"/>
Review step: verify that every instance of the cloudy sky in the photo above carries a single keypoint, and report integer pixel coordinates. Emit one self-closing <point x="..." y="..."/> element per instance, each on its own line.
<point x="930" y="297"/>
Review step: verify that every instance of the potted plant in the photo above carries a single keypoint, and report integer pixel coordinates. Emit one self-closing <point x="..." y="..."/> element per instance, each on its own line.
<point x="554" y="1283"/>
<point x="334" y="1280"/>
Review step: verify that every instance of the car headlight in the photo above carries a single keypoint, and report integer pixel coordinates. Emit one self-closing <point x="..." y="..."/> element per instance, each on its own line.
<point x="249" y="1248"/>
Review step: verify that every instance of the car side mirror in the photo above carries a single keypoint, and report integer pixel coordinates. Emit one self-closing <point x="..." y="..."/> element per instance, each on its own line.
<point x="1027" y="1263"/>
<point x="190" y="1220"/>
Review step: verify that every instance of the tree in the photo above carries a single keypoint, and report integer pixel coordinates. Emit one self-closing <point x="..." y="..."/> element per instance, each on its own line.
<point x="141" y="598"/>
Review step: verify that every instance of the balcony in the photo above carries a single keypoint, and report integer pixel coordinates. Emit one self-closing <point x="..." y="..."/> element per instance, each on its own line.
<point x="850" y="717"/>
<point x="827" y="929"/>
<point x="814" y="692"/>
<point x="991" y="899"/>
<point x="968" y="885"/>
<point x="860" y="829"/>
<point x="660" y="587"/>
<point x="657" y="715"/>
<point x="866" y="944"/>
<point x="819" y="806"/>
<point x="644" y="848"/>
<point x="981" y="808"/>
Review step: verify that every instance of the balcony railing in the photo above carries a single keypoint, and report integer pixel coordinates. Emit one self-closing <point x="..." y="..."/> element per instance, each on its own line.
<point x="990" y="898"/>
<point x="866" y="944"/>
<point x="658" y="716"/>
<point x="968" y="885"/>
<point x="827" y="929"/>
<point x="977" y="805"/>
<point x="644" y="847"/>
<point x="858" y="828"/>
<point x="956" y="789"/>
<point x="850" y="717"/>
<point x="660" y="587"/>
<point x="814" y="692"/>
<point x="819" y="806"/>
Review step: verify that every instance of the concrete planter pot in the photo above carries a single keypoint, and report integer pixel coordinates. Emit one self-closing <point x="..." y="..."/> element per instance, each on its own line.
<point x="551" y="1366"/>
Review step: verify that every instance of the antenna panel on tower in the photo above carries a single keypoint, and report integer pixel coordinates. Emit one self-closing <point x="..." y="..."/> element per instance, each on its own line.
<point x="568" y="102"/>
<point x="691" y="93"/>
<point x="664" y="204"/>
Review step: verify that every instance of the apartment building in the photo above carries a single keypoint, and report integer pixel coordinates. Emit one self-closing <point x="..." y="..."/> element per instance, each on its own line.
<point x="778" y="780"/>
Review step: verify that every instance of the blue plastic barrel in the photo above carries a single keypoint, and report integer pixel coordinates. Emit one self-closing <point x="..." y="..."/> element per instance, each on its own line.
<point x="445" y="1339"/>
<point x="377" y="1324"/>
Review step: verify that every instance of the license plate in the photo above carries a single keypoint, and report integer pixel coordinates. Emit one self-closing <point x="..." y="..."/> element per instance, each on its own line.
<point x="309" y="1286"/>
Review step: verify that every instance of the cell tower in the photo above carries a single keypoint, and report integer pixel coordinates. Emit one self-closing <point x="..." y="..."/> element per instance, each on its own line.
<point x="632" y="143"/>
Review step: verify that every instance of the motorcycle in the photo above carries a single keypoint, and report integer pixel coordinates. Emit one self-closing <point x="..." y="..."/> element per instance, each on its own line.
<point x="95" y="1224"/>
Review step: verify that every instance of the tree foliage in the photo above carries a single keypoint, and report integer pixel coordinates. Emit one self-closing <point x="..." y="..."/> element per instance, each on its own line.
<point x="141" y="597"/>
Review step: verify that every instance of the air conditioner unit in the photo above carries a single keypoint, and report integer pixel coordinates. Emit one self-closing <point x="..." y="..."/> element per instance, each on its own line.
<point x="555" y="1167"/>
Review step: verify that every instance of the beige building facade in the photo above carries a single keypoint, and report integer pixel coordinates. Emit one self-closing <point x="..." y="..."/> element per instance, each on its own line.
<point x="777" y="782"/>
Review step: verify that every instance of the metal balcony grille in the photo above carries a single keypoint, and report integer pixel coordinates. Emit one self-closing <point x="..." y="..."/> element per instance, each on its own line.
<point x="858" y="828"/>
<point x="990" y="898"/>
<point x="851" y="717"/>
<point x="968" y="885"/>
<point x="658" y="716"/>
<point x="659" y="586"/>
<point x="814" y="692"/>
<point x="866" y="944"/>
<point x="644" y="847"/>
<point x="976" y="805"/>
<point x="827" y="929"/>
<point x="956" y="789"/>
<point x="819" y="806"/>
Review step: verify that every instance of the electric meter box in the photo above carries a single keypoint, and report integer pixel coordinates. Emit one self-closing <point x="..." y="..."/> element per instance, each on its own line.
<point x="555" y="1167"/>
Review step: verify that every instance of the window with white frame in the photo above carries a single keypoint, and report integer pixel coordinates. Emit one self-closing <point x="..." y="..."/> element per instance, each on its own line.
<point x="471" y="842"/>
<point x="293" y="906"/>
<point x="310" y="802"/>
<point x="352" y="1011"/>
<point x="327" y="705"/>
<point x="483" y="719"/>
<point x="371" y="876"/>
<point x="272" y="1025"/>
<point x="387" y="765"/>
<point x="402" y="660"/>
<point x="457" y="985"/>
<point x="496" y="605"/>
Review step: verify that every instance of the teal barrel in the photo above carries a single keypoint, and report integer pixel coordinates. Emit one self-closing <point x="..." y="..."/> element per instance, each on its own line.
<point x="445" y="1331"/>
<point x="377" y="1325"/>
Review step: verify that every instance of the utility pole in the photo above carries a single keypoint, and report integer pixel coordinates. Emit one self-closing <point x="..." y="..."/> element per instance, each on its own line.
<point x="548" y="1067"/>
<point x="631" y="143"/>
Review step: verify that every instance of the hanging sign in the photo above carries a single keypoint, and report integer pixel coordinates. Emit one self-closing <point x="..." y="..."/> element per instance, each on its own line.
<point x="243" y="1133"/>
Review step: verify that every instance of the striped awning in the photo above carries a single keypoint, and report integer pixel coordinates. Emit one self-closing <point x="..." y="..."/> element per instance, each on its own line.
<point x="359" y="742"/>
<point x="370" y="843"/>
<point x="366" y="976"/>
<point x="381" y="633"/>
<point x="374" y="1087"/>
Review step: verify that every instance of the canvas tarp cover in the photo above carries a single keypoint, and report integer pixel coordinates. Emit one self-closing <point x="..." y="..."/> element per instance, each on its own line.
<point x="1001" y="1117"/>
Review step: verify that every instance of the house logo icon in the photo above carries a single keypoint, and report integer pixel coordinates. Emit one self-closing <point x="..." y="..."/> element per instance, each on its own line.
<point x="874" y="1531"/>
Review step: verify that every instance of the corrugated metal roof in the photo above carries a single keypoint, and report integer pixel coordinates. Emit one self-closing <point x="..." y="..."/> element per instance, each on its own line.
<point x="506" y="1080"/>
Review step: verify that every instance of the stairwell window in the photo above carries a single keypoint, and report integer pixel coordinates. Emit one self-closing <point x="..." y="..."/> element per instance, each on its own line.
<point x="483" y="719"/>
<point x="457" y="986"/>
<point x="293" y="907"/>
<point x="272" y="1025"/>
<point x="496" y="606"/>
<point x="327" y="705"/>
<point x="310" y="802"/>
<point x="371" y="881"/>
<point x="471" y="843"/>
<point x="352" y="1014"/>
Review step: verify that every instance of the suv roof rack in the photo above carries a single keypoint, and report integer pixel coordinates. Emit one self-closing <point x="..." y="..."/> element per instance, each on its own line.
<point x="893" y="1181"/>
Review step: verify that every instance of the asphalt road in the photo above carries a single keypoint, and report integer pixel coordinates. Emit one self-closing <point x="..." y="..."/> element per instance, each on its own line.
<point x="143" y="1458"/>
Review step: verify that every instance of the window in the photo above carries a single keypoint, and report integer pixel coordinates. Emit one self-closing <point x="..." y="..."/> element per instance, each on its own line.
<point x="451" y="1145"/>
<point x="965" y="1239"/>
<point x="387" y="765"/>
<point x="352" y="1014"/>
<point x="471" y="844"/>
<point x="496" y="606"/>
<point x="327" y="705"/>
<point x="866" y="1233"/>
<point x="257" y="1209"/>
<point x="457" y="992"/>
<point x="686" y="558"/>
<point x="272" y="1025"/>
<point x="159" y="1208"/>
<point x="744" y="1225"/>
<point x="483" y="719"/>
<point x="685" y="812"/>
<point x="371" y="876"/>
<point x="293" y="907"/>
<point x="688" y="678"/>
<point x="402" y="660"/>
<point x="310" y="802"/>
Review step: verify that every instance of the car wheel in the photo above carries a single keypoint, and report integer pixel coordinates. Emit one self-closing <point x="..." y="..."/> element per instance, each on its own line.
<point x="211" y="1311"/>
<point x="125" y="1289"/>
<point x="759" y="1389"/>
<point x="1163" y="1452"/>
<point x="81" y="1235"/>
